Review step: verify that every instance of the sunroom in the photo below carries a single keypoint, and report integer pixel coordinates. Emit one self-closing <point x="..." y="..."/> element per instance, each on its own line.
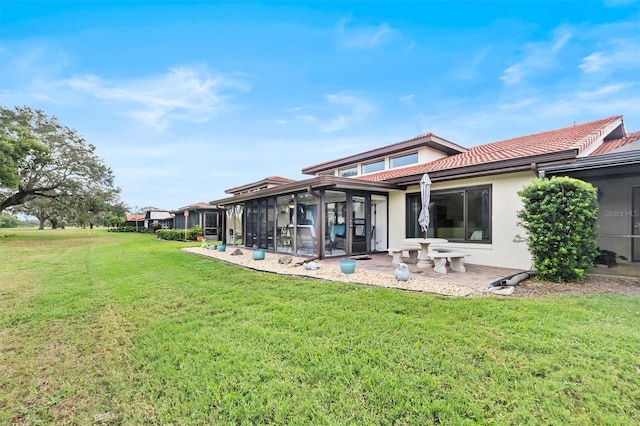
<point x="318" y="217"/>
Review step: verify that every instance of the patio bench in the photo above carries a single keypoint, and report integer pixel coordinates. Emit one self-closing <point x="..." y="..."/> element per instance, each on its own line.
<point x="440" y="260"/>
<point x="397" y="254"/>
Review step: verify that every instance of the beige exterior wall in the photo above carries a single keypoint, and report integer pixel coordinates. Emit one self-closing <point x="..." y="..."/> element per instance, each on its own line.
<point x="502" y="251"/>
<point x="427" y="154"/>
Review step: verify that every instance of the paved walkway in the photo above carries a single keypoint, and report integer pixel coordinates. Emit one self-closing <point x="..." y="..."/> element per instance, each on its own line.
<point x="477" y="277"/>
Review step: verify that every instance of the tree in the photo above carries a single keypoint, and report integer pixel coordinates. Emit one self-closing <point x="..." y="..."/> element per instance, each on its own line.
<point x="87" y="209"/>
<point x="561" y="218"/>
<point x="8" y="221"/>
<point x="44" y="209"/>
<point x="45" y="159"/>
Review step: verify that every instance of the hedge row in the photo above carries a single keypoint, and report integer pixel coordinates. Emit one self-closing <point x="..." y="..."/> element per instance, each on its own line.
<point x="140" y="229"/>
<point x="177" y="235"/>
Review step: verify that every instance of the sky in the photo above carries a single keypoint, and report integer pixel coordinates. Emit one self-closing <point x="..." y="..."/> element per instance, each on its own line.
<point x="186" y="99"/>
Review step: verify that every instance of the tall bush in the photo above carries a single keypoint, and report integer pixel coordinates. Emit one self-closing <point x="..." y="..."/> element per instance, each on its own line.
<point x="560" y="216"/>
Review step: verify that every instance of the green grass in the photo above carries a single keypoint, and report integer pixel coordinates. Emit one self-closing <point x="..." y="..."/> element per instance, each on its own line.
<point x="101" y="328"/>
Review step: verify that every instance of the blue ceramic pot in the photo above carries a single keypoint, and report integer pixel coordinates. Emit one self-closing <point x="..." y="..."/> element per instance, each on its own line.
<point x="258" y="254"/>
<point x="348" y="266"/>
<point x="222" y="247"/>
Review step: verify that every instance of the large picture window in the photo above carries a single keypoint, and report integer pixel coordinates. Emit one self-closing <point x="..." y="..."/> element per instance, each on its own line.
<point x="457" y="215"/>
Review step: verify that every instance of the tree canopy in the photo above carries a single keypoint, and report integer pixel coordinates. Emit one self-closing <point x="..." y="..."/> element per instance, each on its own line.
<point x="41" y="158"/>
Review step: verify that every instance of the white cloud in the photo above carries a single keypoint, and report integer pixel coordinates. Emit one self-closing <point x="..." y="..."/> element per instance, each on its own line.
<point x="358" y="109"/>
<point x="537" y="57"/>
<point x="547" y="110"/>
<point x="364" y="37"/>
<point x="182" y="94"/>
<point x="408" y="100"/>
<point x="471" y="69"/>
<point x="614" y="55"/>
<point x="349" y="109"/>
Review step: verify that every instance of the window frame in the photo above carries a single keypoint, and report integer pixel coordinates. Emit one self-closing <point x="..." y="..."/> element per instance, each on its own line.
<point x="364" y="165"/>
<point x="409" y="154"/>
<point x="411" y="197"/>
<point x="348" y="169"/>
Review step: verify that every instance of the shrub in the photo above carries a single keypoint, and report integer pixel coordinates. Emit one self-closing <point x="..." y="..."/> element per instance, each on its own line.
<point x="198" y="230"/>
<point x="176" y="234"/>
<point x="560" y="216"/>
<point x="140" y="229"/>
<point x="8" y="221"/>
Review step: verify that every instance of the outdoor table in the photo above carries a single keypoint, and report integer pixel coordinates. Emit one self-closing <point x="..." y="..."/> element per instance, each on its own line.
<point x="424" y="261"/>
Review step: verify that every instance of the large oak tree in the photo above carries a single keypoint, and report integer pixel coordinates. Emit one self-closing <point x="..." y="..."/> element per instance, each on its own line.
<point x="41" y="158"/>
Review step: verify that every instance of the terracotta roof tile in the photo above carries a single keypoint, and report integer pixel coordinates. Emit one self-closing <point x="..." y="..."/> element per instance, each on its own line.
<point x="576" y="137"/>
<point x="608" y="146"/>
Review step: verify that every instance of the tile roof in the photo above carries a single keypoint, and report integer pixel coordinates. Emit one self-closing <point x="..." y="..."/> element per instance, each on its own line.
<point x="611" y="145"/>
<point x="132" y="217"/>
<point x="578" y="137"/>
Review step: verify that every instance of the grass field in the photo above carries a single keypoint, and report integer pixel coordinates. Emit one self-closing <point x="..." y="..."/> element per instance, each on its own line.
<point x="106" y="328"/>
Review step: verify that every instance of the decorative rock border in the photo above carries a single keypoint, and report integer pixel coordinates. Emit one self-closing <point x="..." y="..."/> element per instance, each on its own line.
<point x="331" y="272"/>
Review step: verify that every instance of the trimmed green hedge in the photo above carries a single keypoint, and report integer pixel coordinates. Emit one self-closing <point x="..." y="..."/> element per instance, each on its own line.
<point x="561" y="218"/>
<point x="140" y="229"/>
<point x="177" y="235"/>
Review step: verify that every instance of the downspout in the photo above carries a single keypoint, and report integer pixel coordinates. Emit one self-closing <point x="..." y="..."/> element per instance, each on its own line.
<point x="537" y="172"/>
<point x="319" y="221"/>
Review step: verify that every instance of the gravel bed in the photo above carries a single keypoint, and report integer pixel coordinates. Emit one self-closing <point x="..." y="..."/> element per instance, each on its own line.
<point x="330" y="271"/>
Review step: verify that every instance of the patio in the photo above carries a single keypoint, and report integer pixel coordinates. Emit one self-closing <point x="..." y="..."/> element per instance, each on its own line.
<point x="375" y="269"/>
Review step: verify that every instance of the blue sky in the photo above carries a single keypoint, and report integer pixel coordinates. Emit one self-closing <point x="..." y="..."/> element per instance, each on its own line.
<point x="187" y="99"/>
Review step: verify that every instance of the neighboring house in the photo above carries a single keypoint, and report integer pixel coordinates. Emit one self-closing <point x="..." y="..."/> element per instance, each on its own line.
<point x="158" y="219"/>
<point x="135" y="220"/>
<point x="370" y="201"/>
<point x="208" y="217"/>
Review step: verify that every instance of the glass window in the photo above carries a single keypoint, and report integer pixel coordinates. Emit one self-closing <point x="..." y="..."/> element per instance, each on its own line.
<point x="375" y="166"/>
<point x="457" y="215"/>
<point x="404" y="160"/>
<point x="351" y="171"/>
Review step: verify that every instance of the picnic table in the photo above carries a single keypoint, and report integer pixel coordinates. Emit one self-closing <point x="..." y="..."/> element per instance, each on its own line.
<point x="424" y="261"/>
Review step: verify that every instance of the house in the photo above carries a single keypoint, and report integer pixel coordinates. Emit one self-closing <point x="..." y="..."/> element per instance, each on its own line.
<point x="158" y="219"/>
<point x="370" y="201"/>
<point x="208" y="217"/>
<point x="134" y="220"/>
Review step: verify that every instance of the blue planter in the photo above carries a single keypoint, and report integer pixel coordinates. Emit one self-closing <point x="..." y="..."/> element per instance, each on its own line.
<point x="222" y="247"/>
<point x="258" y="254"/>
<point x="348" y="266"/>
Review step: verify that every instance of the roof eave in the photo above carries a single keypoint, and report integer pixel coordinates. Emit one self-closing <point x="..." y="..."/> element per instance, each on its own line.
<point x="429" y="140"/>
<point x="314" y="183"/>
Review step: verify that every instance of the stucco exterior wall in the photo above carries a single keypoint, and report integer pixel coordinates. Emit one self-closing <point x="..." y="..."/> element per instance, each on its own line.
<point x="505" y="203"/>
<point x="427" y="154"/>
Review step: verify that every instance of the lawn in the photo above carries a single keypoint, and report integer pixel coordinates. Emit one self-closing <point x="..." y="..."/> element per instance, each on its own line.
<point x="108" y="328"/>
